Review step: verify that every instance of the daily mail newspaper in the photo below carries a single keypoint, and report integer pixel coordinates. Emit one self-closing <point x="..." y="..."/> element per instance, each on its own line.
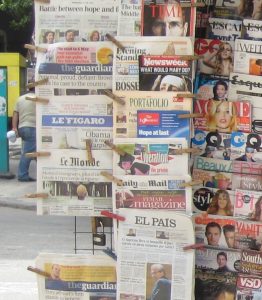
<point x="76" y="277"/>
<point x="126" y="65"/>
<point x="68" y="122"/>
<point x="248" y="57"/>
<point x="75" y="69"/>
<point x="150" y="242"/>
<point x="125" y="116"/>
<point x="251" y="29"/>
<point x="150" y="157"/>
<point x="251" y="262"/>
<point x="248" y="287"/>
<point x="73" y="183"/>
<point x="75" y="20"/>
<point x="149" y="192"/>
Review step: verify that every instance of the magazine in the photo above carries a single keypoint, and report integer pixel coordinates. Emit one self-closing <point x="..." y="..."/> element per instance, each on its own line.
<point x="251" y="262"/>
<point x="76" y="277"/>
<point x="244" y="167"/>
<point x="125" y="116"/>
<point x="251" y="29"/>
<point x="150" y="157"/>
<point x="227" y="9"/>
<point x="158" y="239"/>
<point x="248" y="287"/>
<point x="168" y="70"/>
<point x="246" y="182"/>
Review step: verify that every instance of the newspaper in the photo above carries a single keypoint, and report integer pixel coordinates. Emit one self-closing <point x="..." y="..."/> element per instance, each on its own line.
<point x="149" y="192"/>
<point x="251" y="29"/>
<point x="249" y="287"/>
<point x="67" y="122"/>
<point x="156" y="244"/>
<point x="73" y="183"/>
<point x="150" y="157"/>
<point x="75" y="69"/>
<point x="251" y="262"/>
<point x="248" y="57"/>
<point x="126" y="66"/>
<point x="125" y="116"/>
<point x="88" y="20"/>
<point x="76" y="277"/>
<point x="227" y="9"/>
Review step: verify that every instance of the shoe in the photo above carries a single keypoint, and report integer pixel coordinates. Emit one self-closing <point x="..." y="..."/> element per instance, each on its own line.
<point x="28" y="179"/>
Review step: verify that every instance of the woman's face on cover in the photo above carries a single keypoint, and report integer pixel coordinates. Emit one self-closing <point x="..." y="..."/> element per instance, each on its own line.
<point x="226" y="51"/>
<point x="50" y="38"/>
<point x="222" y="201"/>
<point x="221" y="91"/>
<point x="223" y="116"/>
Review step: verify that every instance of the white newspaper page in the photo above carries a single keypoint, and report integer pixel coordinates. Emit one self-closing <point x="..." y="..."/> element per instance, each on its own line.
<point x="68" y="122"/>
<point x="75" y="69"/>
<point x="151" y="261"/>
<point x="126" y="62"/>
<point x="75" y="20"/>
<point x="73" y="183"/>
<point x="76" y="277"/>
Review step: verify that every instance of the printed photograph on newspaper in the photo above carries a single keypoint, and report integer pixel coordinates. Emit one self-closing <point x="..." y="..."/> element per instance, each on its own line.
<point x="73" y="183"/>
<point x="157" y="239"/>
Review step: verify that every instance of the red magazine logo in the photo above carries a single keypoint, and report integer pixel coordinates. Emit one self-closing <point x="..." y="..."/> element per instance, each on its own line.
<point x="148" y="119"/>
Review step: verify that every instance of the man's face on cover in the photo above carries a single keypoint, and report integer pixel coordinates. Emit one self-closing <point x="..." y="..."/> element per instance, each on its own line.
<point x="213" y="235"/>
<point x="221" y="261"/>
<point x="230" y="238"/>
<point x="175" y="26"/>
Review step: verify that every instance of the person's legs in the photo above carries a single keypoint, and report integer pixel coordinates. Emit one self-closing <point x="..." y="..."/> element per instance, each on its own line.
<point x="28" y="136"/>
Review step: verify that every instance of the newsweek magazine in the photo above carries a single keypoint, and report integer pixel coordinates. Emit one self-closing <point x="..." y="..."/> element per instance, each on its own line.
<point x="149" y="240"/>
<point x="227" y="9"/>
<point x="75" y="69"/>
<point x="68" y="122"/>
<point x="125" y="116"/>
<point x="73" y="183"/>
<point x="208" y="86"/>
<point x="224" y="29"/>
<point x="243" y="87"/>
<point x="248" y="57"/>
<point x="158" y="72"/>
<point x="163" y="18"/>
<point x="222" y="116"/>
<point x="251" y="262"/>
<point x="217" y="56"/>
<point x="150" y="157"/>
<point x="251" y="29"/>
<point x="248" y="287"/>
<point x="75" y="21"/>
<point x="126" y="65"/>
<point x="129" y="17"/>
<point x="149" y="192"/>
<point x="76" y="276"/>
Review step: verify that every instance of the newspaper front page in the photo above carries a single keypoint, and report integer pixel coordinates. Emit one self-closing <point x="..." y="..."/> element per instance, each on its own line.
<point x="76" y="277"/>
<point x="151" y="242"/>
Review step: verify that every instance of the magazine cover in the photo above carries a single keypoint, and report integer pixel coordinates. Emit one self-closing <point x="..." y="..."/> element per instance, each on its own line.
<point x="248" y="287"/>
<point x="167" y="18"/>
<point x="245" y="167"/>
<point x="149" y="192"/>
<point x="248" y="57"/>
<point x="251" y="29"/>
<point x="225" y="9"/>
<point x="158" y="239"/>
<point x="68" y="122"/>
<point x="251" y="262"/>
<point x="147" y="157"/>
<point x="222" y="116"/>
<point x="208" y="86"/>
<point x="165" y="73"/>
<point x="125" y="116"/>
<point x="217" y="56"/>
<point x="126" y="65"/>
<point x="246" y="182"/>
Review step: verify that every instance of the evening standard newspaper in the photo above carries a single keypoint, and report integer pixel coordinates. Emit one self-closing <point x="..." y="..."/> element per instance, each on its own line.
<point x="75" y="69"/>
<point x="68" y="122"/>
<point x="125" y="116"/>
<point x="89" y="20"/>
<point x="76" y="277"/>
<point x="150" y="241"/>
<point x="126" y="61"/>
<point x="73" y="183"/>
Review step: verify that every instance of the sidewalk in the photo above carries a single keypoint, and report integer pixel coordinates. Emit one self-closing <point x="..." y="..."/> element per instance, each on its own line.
<point x="12" y="192"/>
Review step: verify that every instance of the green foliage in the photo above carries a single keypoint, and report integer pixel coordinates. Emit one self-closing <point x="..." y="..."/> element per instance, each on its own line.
<point x="20" y="12"/>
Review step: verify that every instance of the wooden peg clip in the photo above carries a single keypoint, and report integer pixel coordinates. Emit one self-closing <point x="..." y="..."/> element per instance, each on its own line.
<point x="115" y="148"/>
<point x="90" y="157"/>
<point x="114" y="97"/>
<point x="190" y="116"/>
<point x="191" y="183"/>
<point x="43" y="1"/>
<point x="36" y="83"/>
<point x="37" y="154"/>
<point x="188" y="57"/>
<point x="108" y="214"/>
<point x="37" y="99"/>
<point x="195" y="246"/>
<point x="37" y="195"/>
<point x="116" y="42"/>
<point x="112" y="178"/>
<point x="197" y="4"/>
<point x="35" y="48"/>
<point x="186" y="95"/>
<point x="38" y="271"/>
<point x="187" y="150"/>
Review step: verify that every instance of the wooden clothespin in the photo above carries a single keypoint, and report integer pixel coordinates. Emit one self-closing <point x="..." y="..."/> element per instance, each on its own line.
<point x="90" y="157"/>
<point x="114" y="97"/>
<point x="112" y="178"/>
<point x="108" y="214"/>
<point x="37" y="99"/>
<point x="38" y="271"/>
<point x="187" y="150"/>
<point x="191" y="183"/>
<point x="197" y="4"/>
<point x="115" y="148"/>
<point x="36" y="83"/>
<point x="186" y="95"/>
<point x="43" y="1"/>
<point x="195" y="246"/>
<point x="35" y="48"/>
<point x="38" y="154"/>
<point x="116" y="42"/>
<point x="188" y="57"/>
<point x="190" y="116"/>
<point x="37" y="195"/>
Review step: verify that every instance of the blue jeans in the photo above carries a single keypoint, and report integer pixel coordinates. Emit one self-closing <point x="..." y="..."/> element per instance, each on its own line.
<point x="28" y="136"/>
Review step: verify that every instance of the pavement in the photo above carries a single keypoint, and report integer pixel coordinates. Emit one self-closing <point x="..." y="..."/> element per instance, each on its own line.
<point x="13" y="192"/>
